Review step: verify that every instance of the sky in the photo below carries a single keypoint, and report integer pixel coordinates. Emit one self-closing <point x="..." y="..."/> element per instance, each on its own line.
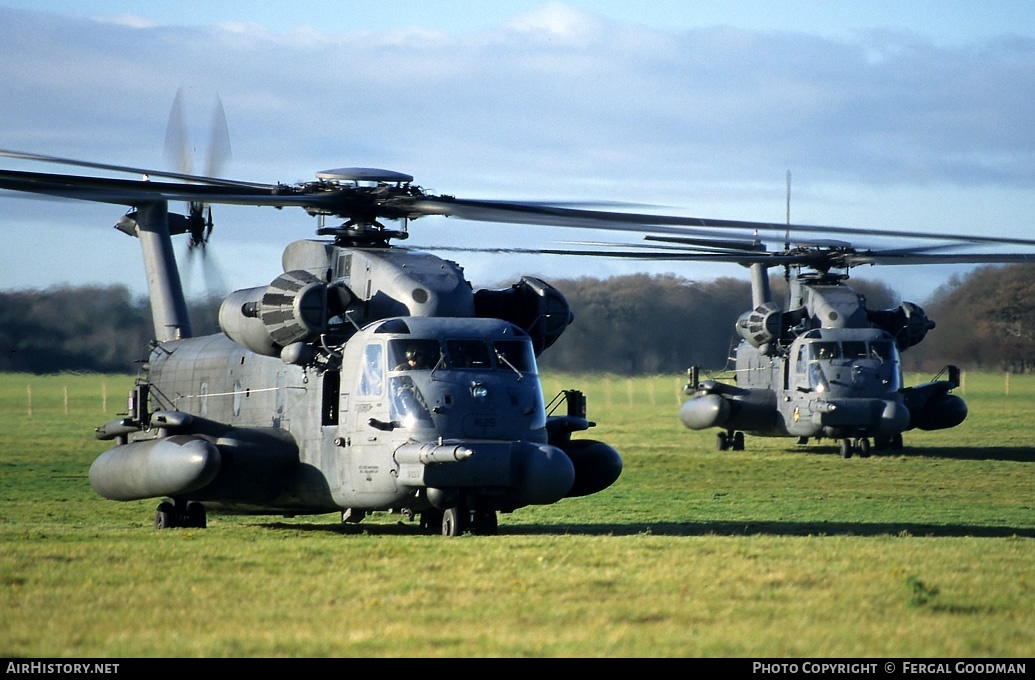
<point x="912" y="116"/>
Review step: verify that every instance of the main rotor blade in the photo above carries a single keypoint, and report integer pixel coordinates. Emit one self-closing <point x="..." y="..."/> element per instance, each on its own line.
<point x="856" y="259"/>
<point x="215" y="181"/>
<point x="369" y="204"/>
<point x="521" y="213"/>
<point x="818" y="259"/>
<point x="140" y="192"/>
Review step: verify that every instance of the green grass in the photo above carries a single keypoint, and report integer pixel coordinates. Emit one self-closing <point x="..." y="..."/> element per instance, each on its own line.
<point x="775" y="551"/>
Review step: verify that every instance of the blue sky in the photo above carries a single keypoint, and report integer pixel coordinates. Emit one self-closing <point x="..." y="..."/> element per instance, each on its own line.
<point x="897" y="115"/>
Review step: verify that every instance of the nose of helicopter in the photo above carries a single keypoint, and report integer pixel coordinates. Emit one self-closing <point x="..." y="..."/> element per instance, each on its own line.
<point x="879" y="416"/>
<point x="527" y="473"/>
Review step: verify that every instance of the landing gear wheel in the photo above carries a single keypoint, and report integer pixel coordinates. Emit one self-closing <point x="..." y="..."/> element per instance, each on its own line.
<point x="165" y="516"/>
<point x="721" y="441"/>
<point x="863" y="446"/>
<point x="195" y="516"/>
<point x="896" y="441"/>
<point x="454" y="521"/>
<point x="738" y="441"/>
<point x="846" y="448"/>
<point x="431" y="520"/>
<point x="178" y="515"/>
<point x="484" y="522"/>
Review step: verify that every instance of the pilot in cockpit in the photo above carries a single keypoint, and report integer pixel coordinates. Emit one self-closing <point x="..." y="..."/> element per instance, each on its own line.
<point x="415" y="360"/>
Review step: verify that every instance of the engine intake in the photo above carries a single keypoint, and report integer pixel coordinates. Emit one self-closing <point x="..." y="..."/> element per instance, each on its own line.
<point x="266" y="319"/>
<point x="761" y="326"/>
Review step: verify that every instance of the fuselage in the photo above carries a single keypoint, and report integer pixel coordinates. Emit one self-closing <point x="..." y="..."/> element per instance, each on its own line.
<point x="371" y="433"/>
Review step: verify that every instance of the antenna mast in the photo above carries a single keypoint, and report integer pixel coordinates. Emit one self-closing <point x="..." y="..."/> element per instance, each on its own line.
<point x="787" y="233"/>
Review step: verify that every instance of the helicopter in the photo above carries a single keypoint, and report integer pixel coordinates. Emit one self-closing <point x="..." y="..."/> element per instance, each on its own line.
<point x="367" y="377"/>
<point x="822" y="365"/>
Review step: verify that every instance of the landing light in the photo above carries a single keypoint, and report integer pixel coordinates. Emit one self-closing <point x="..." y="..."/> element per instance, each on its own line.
<point x="479" y="391"/>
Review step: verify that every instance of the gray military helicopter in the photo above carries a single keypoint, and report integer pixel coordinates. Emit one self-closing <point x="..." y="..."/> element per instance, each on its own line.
<point x="822" y="365"/>
<point x="366" y="378"/>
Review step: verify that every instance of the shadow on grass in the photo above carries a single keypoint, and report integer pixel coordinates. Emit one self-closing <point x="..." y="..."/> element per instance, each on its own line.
<point x="687" y="529"/>
<point x="1019" y="454"/>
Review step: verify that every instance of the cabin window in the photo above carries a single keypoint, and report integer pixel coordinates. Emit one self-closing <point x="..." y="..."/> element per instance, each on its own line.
<point x="281" y="382"/>
<point x="371" y="382"/>
<point x="331" y="389"/>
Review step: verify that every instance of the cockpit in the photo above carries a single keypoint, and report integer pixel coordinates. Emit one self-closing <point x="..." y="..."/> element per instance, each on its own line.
<point x="428" y="376"/>
<point x="868" y="357"/>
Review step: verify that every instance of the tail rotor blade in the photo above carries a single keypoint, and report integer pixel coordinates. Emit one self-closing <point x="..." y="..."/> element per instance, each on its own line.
<point x="219" y="142"/>
<point x="177" y="149"/>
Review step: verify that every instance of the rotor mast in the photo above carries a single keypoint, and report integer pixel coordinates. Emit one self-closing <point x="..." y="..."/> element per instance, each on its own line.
<point x="150" y="223"/>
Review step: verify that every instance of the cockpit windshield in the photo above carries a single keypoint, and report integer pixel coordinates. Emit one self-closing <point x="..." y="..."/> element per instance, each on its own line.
<point x="851" y="350"/>
<point x="464" y="354"/>
<point x="875" y="357"/>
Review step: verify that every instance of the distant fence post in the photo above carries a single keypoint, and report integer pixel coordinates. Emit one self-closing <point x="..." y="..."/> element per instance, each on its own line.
<point x="29" y="390"/>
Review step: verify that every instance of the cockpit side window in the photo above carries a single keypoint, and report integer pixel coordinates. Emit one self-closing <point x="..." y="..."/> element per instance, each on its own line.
<point x="825" y="350"/>
<point x="514" y="354"/>
<point x="414" y="355"/>
<point x="371" y="382"/>
<point x="883" y="350"/>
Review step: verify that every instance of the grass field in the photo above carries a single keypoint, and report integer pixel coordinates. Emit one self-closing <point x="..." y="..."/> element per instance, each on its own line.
<point x="775" y="551"/>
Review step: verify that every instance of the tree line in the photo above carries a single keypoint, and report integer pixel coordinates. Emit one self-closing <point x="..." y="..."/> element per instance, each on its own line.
<point x="626" y="325"/>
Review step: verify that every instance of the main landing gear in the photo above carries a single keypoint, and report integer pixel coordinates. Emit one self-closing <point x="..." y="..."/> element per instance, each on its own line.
<point x="860" y="446"/>
<point x="729" y="441"/>
<point x="173" y="514"/>
<point x="459" y="520"/>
